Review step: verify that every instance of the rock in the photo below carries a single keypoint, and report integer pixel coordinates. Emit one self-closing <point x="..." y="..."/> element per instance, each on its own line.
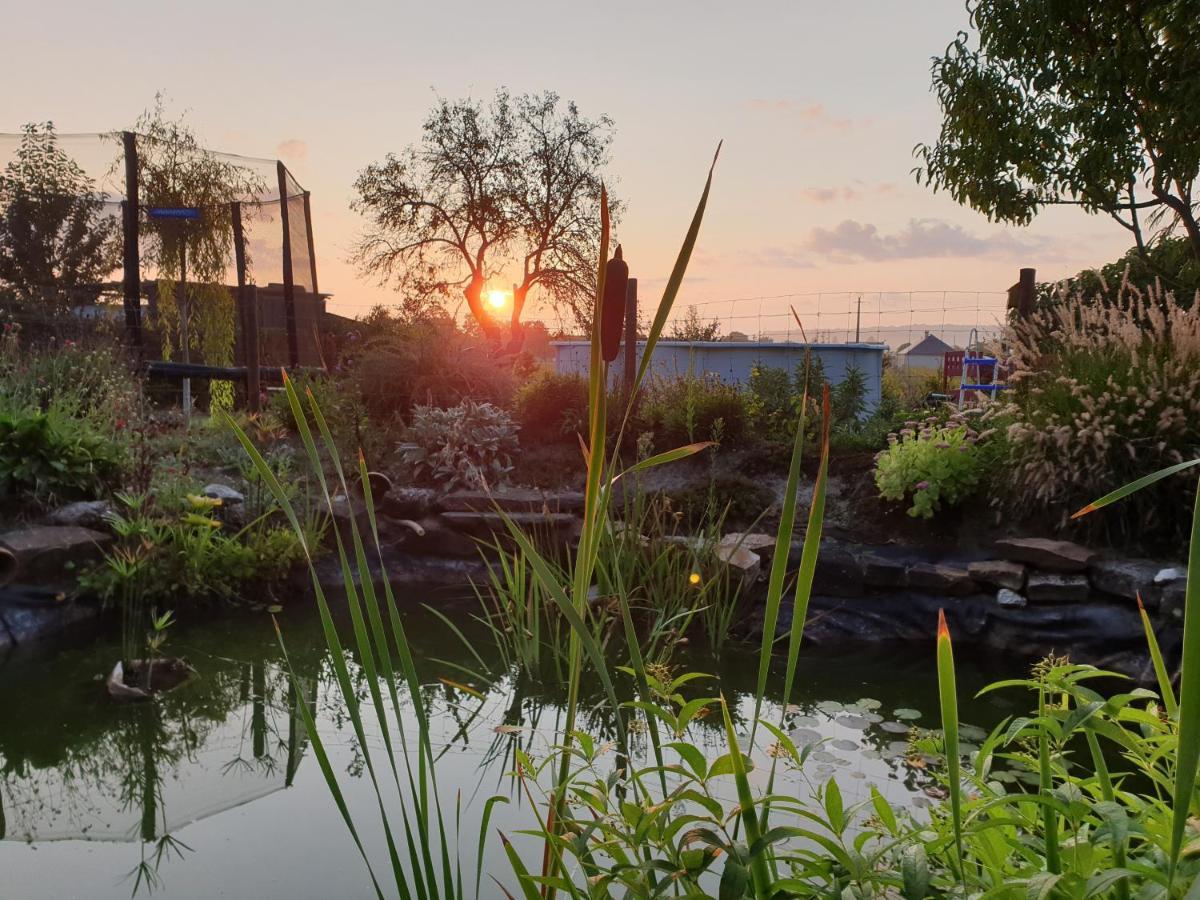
<point x="1172" y="598"/>
<point x="1057" y="587"/>
<point x="21" y="622"/>
<point x="52" y="551"/>
<point x="741" y="561"/>
<point x="839" y="568"/>
<point x="224" y="493"/>
<point x="1126" y="578"/>
<point x="1170" y="574"/>
<point x="409" y="502"/>
<point x="762" y="544"/>
<point x="1010" y="598"/>
<point x="998" y="573"/>
<point x="513" y="500"/>
<point x="941" y="579"/>
<point x="1048" y="554"/>
<point x="342" y="508"/>
<point x="884" y="571"/>
<point x="84" y="513"/>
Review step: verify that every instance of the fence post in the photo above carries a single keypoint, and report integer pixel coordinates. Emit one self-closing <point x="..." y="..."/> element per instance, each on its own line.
<point x="246" y="312"/>
<point x="631" y="323"/>
<point x="132" y="258"/>
<point x="289" y="290"/>
<point x="1026" y="291"/>
<point x="251" y="350"/>
<point x="308" y="233"/>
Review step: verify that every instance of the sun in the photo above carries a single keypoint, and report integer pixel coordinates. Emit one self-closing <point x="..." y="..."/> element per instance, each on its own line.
<point x="497" y="299"/>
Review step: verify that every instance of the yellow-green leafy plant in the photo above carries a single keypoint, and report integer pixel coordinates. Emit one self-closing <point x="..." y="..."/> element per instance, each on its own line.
<point x="933" y="465"/>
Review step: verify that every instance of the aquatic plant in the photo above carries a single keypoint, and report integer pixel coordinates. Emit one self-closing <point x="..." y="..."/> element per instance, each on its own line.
<point x="611" y="819"/>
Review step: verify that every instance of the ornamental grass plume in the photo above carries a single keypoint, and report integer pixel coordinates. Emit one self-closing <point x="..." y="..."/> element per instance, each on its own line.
<point x="1101" y="393"/>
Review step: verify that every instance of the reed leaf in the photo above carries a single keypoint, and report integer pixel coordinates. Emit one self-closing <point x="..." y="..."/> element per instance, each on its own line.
<point x="948" y="702"/>
<point x="1165" y="690"/>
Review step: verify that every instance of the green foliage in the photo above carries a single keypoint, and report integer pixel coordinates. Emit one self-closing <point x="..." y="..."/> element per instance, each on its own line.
<point x="694" y="329"/>
<point x="469" y="445"/>
<point x="687" y="409"/>
<point x="49" y="457"/>
<point x="55" y="244"/>
<point x="188" y="555"/>
<point x="848" y="399"/>
<point x="1170" y="263"/>
<point x="1117" y="126"/>
<point x="551" y="407"/>
<point x="933" y="465"/>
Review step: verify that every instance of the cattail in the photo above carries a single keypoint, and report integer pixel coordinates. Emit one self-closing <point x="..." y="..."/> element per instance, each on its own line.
<point x="612" y="316"/>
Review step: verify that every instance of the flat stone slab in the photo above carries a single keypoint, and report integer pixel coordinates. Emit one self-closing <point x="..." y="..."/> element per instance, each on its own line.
<point x="999" y="573"/>
<point x="224" y="493"/>
<point x="1057" y="587"/>
<point x="1126" y="578"/>
<point x="51" y="551"/>
<point x="484" y="524"/>
<point x="884" y="572"/>
<point x="84" y="513"/>
<point x="754" y="541"/>
<point x="513" y="500"/>
<point x="1047" y="554"/>
<point x="941" y="579"/>
<point x="1010" y="598"/>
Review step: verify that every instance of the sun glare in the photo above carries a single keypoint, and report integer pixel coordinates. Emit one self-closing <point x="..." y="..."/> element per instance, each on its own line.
<point x="497" y="299"/>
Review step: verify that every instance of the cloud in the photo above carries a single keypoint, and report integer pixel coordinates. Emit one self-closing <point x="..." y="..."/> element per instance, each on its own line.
<point x="293" y="149"/>
<point x="826" y="195"/>
<point x="810" y="115"/>
<point x="921" y="239"/>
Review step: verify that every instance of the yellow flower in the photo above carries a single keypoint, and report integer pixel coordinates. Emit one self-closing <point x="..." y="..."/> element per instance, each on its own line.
<point x="694" y="578"/>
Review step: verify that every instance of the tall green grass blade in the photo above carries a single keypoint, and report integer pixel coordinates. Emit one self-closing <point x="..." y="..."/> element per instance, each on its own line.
<point x="332" y="641"/>
<point x="318" y="745"/>
<point x="1161" y="675"/>
<point x="1134" y="486"/>
<point x="1188" y="754"/>
<point x="1187" y="757"/>
<point x="747" y="814"/>
<point x="675" y="280"/>
<point x="1046" y="787"/>
<point x="948" y="702"/>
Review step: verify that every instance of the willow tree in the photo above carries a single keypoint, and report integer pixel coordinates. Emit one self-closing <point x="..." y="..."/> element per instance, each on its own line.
<point x="1090" y="102"/>
<point x="511" y="188"/>
<point x="174" y="170"/>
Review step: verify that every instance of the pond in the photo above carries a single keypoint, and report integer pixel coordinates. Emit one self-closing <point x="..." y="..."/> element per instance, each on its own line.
<point x="213" y="790"/>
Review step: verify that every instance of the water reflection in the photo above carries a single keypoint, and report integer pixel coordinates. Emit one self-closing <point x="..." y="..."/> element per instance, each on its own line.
<point x="76" y="767"/>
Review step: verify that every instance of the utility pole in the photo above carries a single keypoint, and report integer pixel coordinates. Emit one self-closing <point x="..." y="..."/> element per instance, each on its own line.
<point x="858" y="321"/>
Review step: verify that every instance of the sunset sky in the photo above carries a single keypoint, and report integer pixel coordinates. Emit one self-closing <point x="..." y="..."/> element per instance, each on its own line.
<point x="819" y="106"/>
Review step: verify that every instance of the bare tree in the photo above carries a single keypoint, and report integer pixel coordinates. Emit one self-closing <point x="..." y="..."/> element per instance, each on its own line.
<point x="510" y="187"/>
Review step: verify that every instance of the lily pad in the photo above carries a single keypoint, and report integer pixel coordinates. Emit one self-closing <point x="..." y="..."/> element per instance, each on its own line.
<point x="859" y="723"/>
<point x="895" y="727"/>
<point x="907" y="714"/>
<point x="805" y="736"/>
<point x="844" y="744"/>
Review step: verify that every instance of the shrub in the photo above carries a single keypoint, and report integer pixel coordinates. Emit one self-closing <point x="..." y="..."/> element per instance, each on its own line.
<point x="426" y="363"/>
<point x="687" y="409"/>
<point x="51" y="457"/>
<point x="469" y="445"/>
<point x="551" y="407"/>
<point x="1101" y="395"/>
<point x="933" y="465"/>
